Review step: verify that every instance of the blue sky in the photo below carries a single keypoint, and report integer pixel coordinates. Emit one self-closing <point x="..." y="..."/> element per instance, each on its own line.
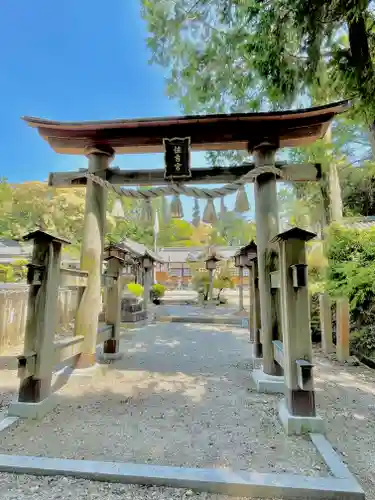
<point x="74" y="60"/>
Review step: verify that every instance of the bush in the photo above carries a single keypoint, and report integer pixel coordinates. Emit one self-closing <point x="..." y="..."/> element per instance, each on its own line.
<point x="157" y="291"/>
<point x="12" y="273"/>
<point x="201" y="282"/>
<point x="136" y="289"/>
<point x="363" y="341"/>
<point x="351" y="273"/>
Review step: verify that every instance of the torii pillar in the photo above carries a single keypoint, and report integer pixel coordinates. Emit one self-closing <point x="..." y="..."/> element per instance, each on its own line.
<point x="267" y="224"/>
<point x="87" y="320"/>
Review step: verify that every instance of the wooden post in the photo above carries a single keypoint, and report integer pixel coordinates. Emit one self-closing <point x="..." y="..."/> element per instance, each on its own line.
<point x="254" y="316"/>
<point x="342" y="329"/>
<point x="240" y="289"/>
<point x="148" y="265"/>
<point x="211" y="285"/>
<point x="36" y="364"/>
<point x="251" y="302"/>
<point x="87" y="318"/>
<point x="146" y="288"/>
<point x="297" y="344"/>
<point x="113" y="306"/>
<point x="326" y="323"/>
<point x="267" y="222"/>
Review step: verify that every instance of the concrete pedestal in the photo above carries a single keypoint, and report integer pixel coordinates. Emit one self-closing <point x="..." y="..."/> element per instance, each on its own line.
<point x="32" y="410"/>
<point x="256" y="360"/>
<point x="271" y="384"/>
<point x="109" y="356"/>
<point x="299" y="425"/>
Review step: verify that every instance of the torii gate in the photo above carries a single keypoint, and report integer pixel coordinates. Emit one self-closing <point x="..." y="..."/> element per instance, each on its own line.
<point x="261" y="134"/>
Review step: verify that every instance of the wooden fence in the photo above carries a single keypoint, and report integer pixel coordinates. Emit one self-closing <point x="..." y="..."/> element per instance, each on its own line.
<point x="56" y="317"/>
<point x="13" y="314"/>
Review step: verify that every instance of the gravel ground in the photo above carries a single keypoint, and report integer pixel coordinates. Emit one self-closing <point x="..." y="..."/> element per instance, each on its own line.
<point x="180" y="396"/>
<point x="346" y="400"/>
<point x="14" y="487"/>
<point x="181" y="393"/>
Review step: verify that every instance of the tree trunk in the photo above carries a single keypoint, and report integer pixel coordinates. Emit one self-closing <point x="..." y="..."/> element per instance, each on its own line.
<point x="334" y="189"/>
<point x="335" y="194"/>
<point x="371" y="136"/>
<point x="362" y="66"/>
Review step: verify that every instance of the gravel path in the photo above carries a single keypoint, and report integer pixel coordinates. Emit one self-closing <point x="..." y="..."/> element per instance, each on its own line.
<point x="180" y="396"/>
<point x="14" y="487"/>
<point x="346" y="400"/>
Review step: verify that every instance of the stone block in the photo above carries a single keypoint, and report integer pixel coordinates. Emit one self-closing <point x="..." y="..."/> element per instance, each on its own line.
<point x="33" y="411"/>
<point x="109" y="356"/>
<point x="270" y="384"/>
<point x="299" y="425"/>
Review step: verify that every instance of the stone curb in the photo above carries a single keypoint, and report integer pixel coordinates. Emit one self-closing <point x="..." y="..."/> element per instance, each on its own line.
<point x="218" y="320"/>
<point x="222" y="481"/>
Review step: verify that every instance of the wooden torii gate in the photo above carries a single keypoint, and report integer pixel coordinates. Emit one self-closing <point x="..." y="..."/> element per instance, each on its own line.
<point x="261" y="134"/>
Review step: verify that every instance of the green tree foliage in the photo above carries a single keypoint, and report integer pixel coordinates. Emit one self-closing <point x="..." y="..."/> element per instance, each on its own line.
<point x="358" y="189"/>
<point x="201" y="280"/>
<point x="245" y="55"/>
<point x="12" y="273"/>
<point x="232" y="55"/>
<point x="196" y="213"/>
<point x="351" y="273"/>
<point x="61" y="211"/>
<point x="233" y="229"/>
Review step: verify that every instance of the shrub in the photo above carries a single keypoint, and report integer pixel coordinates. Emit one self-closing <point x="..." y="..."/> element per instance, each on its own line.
<point x="224" y="280"/>
<point x="136" y="289"/>
<point x="11" y="273"/>
<point x="351" y="273"/>
<point x="157" y="291"/>
<point x="363" y="341"/>
<point x="201" y="282"/>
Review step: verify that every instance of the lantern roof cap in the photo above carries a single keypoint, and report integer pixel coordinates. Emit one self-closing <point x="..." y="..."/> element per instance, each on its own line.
<point x="294" y="233"/>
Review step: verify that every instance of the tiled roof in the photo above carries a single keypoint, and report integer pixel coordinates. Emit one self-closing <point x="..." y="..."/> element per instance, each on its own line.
<point x="139" y="250"/>
<point x="184" y="254"/>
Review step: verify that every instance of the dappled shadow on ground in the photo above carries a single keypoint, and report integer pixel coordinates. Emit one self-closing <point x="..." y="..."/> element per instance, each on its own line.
<point x="346" y="400"/>
<point x="180" y="396"/>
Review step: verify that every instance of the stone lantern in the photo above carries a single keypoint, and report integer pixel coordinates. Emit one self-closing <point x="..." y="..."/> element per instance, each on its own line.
<point x="114" y="256"/>
<point x="250" y="250"/>
<point x="240" y="261"/>
<point x="211" y="262"/>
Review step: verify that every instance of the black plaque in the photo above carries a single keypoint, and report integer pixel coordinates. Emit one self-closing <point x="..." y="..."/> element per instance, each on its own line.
<point x="177" y="158"/>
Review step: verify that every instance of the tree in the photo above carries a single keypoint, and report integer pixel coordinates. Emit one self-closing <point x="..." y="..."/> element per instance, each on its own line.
<point x="196" y="213"/>
<point x="235" y="55"/>
<point x="233" y="229"/>
<point x="249" y="54"/>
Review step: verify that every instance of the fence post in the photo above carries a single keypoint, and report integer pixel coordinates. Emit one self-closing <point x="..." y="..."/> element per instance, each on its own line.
<point x="113" y="308"/>
<point x="342" y="329"/>
<point x="36" y="364"/>
<point x="326" y="323"/>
